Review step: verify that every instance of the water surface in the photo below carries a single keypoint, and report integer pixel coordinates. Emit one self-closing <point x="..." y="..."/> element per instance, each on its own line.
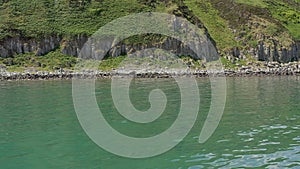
<point x="260" y="126"/>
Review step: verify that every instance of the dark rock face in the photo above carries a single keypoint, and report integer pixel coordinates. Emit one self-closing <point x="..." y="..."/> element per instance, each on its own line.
<point x="169" y="44"/>
<point x="236" y="52"/>
<point x="73" y="45"/>
<point x="12" y="46"/>
<point x="269" y="52"/>
<point x="272" y="51"/>
<point x="174" y="46"/>
<point x="277" y="53"/>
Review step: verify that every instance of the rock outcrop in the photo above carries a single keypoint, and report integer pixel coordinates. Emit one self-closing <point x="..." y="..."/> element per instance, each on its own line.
<point x="169" y="44"/>
<point x="73" y="45"/>
<point x="278" y="53"/>
<point x="268" y="48"/>
<point x="41" y="46"/>
<point x="273" y="52"/>
<point x="18" y="45"/>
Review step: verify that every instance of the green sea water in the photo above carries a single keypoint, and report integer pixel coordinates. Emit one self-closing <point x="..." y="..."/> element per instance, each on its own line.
<point x="260" y="127"/>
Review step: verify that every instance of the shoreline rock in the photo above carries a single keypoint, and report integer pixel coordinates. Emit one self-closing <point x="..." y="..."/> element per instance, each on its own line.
<point x="269" y="69"/>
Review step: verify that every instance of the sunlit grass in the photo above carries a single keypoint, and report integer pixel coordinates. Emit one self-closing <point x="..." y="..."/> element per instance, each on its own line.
<point x="217" y="26"/>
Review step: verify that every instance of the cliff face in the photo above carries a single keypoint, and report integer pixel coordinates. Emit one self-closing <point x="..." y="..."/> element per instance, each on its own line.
<point x="272" y="42"/>
<point x="169" y="44"/>
<point x="72" y="45"/>
<point x="278" y="53"/>
<point x="273" y="52"/>
<point x="18" y="45"/>
<point x="263" y="52"/>
<point x="13" y="46"/>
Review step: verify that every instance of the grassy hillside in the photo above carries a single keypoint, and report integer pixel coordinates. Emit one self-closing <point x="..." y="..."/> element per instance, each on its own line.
<point x="231" y="23"/>
<point x="32" y="18"/>
<point x="224" y="18"/>
<point x="287" y="12"/>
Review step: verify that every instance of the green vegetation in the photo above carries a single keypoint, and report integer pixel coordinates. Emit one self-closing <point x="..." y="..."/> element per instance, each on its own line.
<point x="136" y="63"/>
<point x="287" y="12"/>
<point x="229" y="65"/>
<point x="217" y="26"/>
<point x="290" y="18"/>
<point x="258" y="3"/>
<point x="55" y="61"/>
<point x="234" y="23"/>
<point x="34" y="18"/>
<point x="110" y="63"/>
<point x="52" y="61"/>
<point x="237" y="23"/>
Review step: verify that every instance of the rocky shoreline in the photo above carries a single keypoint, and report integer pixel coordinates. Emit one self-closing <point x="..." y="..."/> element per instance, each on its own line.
<point x="268" y="69"/>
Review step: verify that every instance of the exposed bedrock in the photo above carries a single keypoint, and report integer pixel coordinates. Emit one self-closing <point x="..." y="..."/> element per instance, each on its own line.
<point x="72" y="46"/>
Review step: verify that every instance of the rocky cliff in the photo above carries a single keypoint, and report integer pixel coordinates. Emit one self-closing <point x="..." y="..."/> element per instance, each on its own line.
<point x="19" y="45"/>
<point x="249" y="25"/>
<point x="278" y="53"/>
<point x="273" y="51"/>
